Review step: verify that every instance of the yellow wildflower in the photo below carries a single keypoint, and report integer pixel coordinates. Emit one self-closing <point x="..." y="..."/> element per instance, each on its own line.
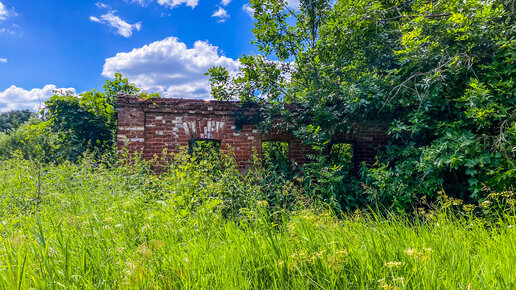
<point x="414" y="253"/>
<point x="394" y="264"/>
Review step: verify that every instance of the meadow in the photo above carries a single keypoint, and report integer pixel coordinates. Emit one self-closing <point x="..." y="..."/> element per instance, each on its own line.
<point x="95" y="225"/>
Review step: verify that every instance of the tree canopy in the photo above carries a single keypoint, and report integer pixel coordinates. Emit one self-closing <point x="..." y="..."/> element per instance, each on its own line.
<point x="13" y="119"/>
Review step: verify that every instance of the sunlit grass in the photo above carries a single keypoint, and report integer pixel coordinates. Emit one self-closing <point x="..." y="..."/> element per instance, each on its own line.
<point x="100" y="227"/>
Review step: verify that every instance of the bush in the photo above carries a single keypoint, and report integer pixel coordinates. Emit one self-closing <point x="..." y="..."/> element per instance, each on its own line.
<point x="32" y="140"/>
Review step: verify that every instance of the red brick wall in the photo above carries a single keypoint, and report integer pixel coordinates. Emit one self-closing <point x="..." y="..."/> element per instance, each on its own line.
<point x="149" y="126"/>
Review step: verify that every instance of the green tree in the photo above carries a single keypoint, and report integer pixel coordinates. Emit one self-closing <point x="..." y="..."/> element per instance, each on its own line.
<point x="88" y="121"/>
<point x="440" y="72"/>
<point x="33" y="140"/>
<point x="13" y="119"/>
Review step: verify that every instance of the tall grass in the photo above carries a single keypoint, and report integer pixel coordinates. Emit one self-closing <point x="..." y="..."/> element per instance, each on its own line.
<point x="89" y="225"/>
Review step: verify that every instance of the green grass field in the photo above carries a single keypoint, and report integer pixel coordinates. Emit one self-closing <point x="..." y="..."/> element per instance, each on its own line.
<point x="90" y="226"/>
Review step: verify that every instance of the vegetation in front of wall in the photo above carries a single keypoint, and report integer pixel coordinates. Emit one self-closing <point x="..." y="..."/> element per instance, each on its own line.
<point x="117" y="224"/>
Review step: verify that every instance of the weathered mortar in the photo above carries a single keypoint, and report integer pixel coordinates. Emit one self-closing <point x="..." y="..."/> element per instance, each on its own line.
<point x="149" y="126"/>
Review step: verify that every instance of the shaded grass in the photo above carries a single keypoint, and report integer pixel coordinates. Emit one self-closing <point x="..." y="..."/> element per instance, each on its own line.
<point x="101" y="227"/>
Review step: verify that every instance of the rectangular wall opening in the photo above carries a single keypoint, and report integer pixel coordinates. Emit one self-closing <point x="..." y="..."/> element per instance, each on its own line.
<point x="341" y="154"/>
<point x="275" y="155"/>
<point x="204" y="149"/>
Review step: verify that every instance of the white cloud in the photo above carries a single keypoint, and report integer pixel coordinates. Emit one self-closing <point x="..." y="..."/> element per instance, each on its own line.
<point x="3" y="60"/>
<point x="123" y="28"/>
<point x="15" y="98"/>
<point x="140" y="2"/>
<point x="225" y="2"/>
<point x="168" y="66"/>
<point x="13" y="29"/>
<point x="174" y="3"/>
<point x="3" y="12"/>
<point x="101" y="5"/>
<point x="95" y="19"/>
<point x="7" y="31"/>
<point x="248" y="10"/>
<point x="222" y="14"/>
<point x="169" y="3"/>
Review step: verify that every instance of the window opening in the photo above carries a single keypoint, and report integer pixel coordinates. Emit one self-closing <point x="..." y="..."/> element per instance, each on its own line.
<point x="204" y="149"/>
<point x="341" y="154"/>
<point x="275" y="155"/>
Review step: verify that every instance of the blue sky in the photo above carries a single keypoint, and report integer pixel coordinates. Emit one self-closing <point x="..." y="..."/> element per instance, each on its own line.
<point x="161" y="45"/>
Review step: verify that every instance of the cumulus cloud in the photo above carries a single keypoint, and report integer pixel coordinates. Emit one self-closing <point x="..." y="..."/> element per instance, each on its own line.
<point x="15" y="98"/>
<point x="225" y="2"/>
<point x="3" y="12"/>
<point x="168" y="66"/>
<point x="123" y="28"/>
<point x="174" y="3"/>
<point x="169" y="3"/>
<point x="221" y="14"/>
<point x="3" y="60"/>
<point x="248" y="10"/>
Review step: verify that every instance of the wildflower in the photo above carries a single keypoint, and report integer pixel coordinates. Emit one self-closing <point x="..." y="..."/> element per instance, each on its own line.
<point x="144" y="250"/>
<point x="146" y="228"/>
<point x="128" y="204"/>
<point x="394" y="264"/>
<point x="134" y="273"/>
<point x="457" y="202"/>
<point x="390" y="287"/>
<point x="245" y="211"/>
<point x="156" y="244"/>
<point x="414" y="253"/>
<point x="18" y="240"/>
<point x="280" y="263"/>
<point x="468" y="207"/>
<point x="52" y="252"/>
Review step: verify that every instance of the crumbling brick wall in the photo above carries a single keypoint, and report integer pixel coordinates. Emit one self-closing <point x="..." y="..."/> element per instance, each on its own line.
<point x="150" y="126"/>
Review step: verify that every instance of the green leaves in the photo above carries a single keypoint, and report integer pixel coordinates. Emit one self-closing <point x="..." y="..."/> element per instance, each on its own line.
<point x="87" y="122"/>
<point x="441" y="73"/>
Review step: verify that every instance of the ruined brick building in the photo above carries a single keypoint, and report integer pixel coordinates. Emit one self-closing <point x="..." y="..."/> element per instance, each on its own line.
<point x="149" y="126"/>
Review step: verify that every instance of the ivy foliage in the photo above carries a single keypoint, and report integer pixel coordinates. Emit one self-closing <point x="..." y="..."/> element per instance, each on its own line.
<point x="442" y="73"/>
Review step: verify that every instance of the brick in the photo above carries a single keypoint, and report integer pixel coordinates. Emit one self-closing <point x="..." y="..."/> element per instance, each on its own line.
<point x="153" y="125"/>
